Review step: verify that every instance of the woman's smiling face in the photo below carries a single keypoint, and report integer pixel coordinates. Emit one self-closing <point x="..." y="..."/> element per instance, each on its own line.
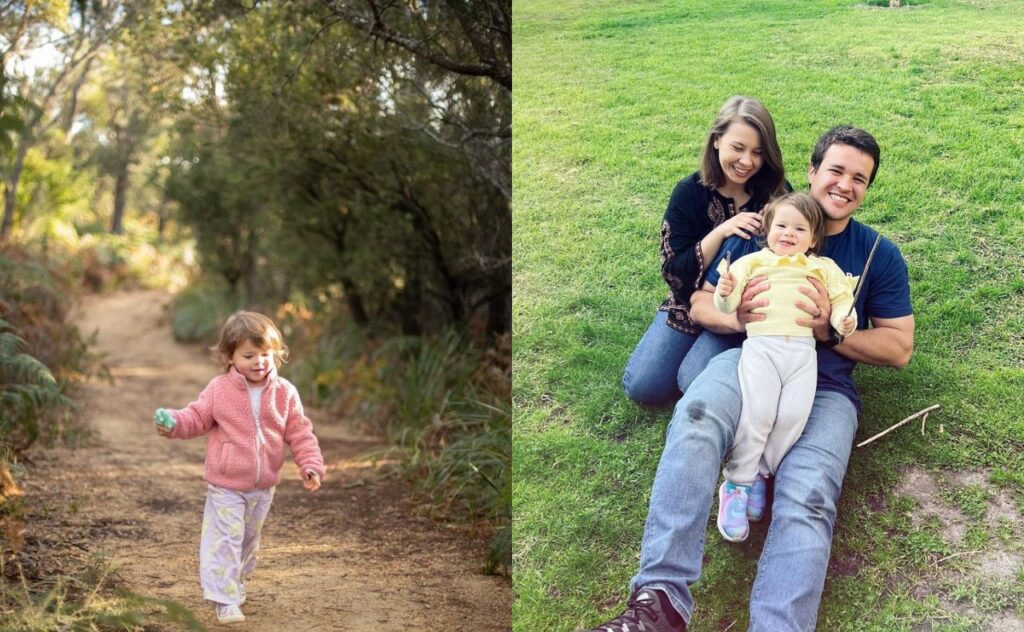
<point x="739" y="152"/>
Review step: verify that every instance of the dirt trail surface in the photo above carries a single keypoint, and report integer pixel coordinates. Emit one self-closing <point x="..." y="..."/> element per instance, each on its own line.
<point x="354" y="556"/>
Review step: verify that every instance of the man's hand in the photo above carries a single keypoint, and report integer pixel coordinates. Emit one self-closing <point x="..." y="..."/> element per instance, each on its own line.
<point x="726" y="284"/>
<point x="311" y="481"/>
<point x="819" y="308"/>
<point x="748" y="303"/>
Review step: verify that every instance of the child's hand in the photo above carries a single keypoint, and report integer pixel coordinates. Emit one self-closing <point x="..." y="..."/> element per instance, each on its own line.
<point x="311" y="481"/>
<point x="164" y="422"/>
<point x="846" y="326"/>
<point x="726" y="284"/>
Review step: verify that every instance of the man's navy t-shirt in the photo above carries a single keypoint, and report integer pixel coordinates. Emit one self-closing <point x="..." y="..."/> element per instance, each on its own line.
<point x="886" y="291"/>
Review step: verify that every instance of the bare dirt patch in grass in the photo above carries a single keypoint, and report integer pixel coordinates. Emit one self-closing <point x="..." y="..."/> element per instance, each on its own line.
<point x="979" y="583"/>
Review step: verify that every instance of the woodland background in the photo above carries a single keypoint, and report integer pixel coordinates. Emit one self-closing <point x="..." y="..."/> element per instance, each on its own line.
<point x="342" y="165"/>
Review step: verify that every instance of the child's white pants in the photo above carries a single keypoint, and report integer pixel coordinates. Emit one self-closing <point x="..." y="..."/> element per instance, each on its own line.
<point x="232" y="522"/>
<point x="778" y="378"/>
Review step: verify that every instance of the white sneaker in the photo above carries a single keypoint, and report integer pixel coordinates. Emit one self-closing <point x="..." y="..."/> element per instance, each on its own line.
<point x="229" y="614"/>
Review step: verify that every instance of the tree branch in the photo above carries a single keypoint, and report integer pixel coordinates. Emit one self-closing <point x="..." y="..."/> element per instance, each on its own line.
<point x="374" y="25"/>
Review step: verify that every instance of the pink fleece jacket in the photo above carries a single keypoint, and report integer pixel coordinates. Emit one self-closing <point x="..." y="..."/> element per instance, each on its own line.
<point x="239" y="457"/>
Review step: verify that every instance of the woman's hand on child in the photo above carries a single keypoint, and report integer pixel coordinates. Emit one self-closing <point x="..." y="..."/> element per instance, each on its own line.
<point x="846" y="326"/>
<point x="742" y="224"/>
<point x="726" y="284"/>
<point x="311" y="481"/>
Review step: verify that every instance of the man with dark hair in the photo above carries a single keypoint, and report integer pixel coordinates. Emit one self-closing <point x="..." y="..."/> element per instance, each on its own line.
<point x="791" y="571"/>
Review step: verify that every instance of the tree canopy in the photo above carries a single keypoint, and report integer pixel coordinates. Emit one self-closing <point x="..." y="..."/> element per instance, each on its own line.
<point x="357" y="150"/>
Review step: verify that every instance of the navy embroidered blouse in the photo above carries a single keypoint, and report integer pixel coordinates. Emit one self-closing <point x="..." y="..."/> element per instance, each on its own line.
<point x="694" y="210"/>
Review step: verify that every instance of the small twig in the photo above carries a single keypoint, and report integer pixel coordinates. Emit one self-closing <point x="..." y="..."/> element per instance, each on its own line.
<point x="897" y="425"/>
<point x="923" y="421"/>
<point x="161" y="544"/>
<point x="949" y="557"/>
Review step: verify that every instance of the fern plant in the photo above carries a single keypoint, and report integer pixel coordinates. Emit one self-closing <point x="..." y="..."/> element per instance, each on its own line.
<point x="27" y="391"/>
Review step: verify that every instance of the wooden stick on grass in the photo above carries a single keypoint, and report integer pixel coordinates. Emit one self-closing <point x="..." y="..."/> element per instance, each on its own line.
<point x="897" y="425"/>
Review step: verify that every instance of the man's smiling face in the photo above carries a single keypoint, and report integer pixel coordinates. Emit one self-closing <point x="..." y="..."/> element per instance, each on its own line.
<point x="840" y="182"/>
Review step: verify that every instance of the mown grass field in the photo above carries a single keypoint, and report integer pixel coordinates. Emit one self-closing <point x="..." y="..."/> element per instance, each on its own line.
<point x="611" y="104"/>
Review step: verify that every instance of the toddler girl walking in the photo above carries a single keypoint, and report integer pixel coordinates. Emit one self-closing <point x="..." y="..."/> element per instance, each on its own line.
<point x="248" y="414"/>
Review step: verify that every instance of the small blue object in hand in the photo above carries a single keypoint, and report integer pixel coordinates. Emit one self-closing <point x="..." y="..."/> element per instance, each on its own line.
<point x="163" y="418"/>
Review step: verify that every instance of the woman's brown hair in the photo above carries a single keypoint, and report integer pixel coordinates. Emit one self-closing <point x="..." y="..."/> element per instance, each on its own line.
<point x="770" y="179"/>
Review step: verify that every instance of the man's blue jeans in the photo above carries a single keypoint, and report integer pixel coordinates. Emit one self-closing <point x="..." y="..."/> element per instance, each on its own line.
<point x="791" y="571"/>
<point x="666" y="361"/>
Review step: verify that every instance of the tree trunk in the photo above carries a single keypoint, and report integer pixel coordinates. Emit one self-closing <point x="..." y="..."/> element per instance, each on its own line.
<point x="248" y="272"/>
<point x="120" y="189"/>
<point x="355" y="302"/>
<point x="410" y="305"/>
<point x="72" y="111"/>
<point x="499" y="315"/>
<point x="11" y="192"/>
<point x="161" y="220"/>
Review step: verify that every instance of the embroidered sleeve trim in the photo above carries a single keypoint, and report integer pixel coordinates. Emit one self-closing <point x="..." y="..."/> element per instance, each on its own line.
<point x="700" y="267"/>
<point x="667" y="256"/>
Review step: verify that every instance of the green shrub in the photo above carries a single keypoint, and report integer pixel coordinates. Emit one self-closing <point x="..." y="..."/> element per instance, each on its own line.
<point x="28" y="392"/>
<point x="41" y="354"/>
<point x="198" y="312"/>
<point x="450" y="420"/>
<point x="444" y="405"/>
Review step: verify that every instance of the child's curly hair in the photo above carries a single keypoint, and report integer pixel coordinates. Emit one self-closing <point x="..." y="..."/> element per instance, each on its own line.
<point x="251" y="326"/>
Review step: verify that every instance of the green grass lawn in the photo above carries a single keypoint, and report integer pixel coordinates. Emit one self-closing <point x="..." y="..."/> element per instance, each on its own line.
<point x="611" y="104"/>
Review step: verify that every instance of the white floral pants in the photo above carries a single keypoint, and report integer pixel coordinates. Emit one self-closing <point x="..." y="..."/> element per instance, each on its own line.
<point x="230" y="540"/>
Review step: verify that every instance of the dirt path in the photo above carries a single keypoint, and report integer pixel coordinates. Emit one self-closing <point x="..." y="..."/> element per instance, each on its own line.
<point x="354" y="556"/>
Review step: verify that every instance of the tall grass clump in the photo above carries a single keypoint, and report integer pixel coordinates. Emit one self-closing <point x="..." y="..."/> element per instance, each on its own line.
<point x="444" y="405"/>
<point x="451" y="422"/>
<point x="89" y="600"/>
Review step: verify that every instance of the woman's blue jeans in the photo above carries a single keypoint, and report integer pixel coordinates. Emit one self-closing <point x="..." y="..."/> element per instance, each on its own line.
<point x="666" y="361"/>
<point x="791" y="571"/>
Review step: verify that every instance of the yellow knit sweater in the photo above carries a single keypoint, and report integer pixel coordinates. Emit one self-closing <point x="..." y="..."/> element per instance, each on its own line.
<point x="786" y="274"/>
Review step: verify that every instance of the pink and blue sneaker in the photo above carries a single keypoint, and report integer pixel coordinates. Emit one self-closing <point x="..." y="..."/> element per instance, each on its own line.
<point x="757" y="498"/>
<point x="732" y="511"/>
